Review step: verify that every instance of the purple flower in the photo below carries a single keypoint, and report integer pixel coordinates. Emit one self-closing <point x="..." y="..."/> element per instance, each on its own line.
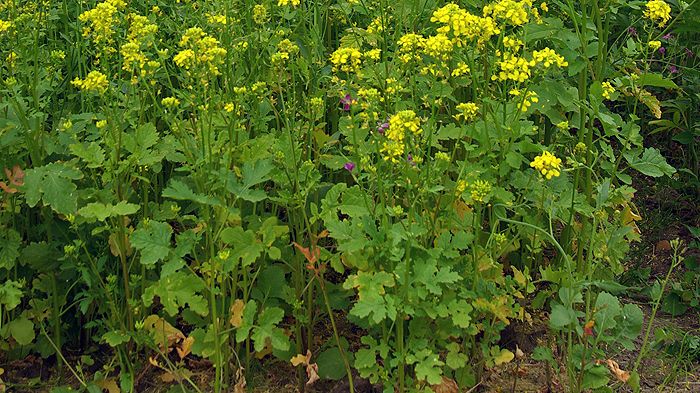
<point x="632" y="31"/>
<point x="349" y="166"/>
<point x="673" y="69"/>
<point x="347" y="101"/>
<point x="689" y="52"/>
<point x="410" y="159"/>
<point x="667" y="36"/>
<point x="662" y="50"/>
<point x="381" y="128"/>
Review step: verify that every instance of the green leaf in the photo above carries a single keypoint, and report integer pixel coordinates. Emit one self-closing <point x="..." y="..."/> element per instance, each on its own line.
<point x="152" y="239"/>
<point x="53" y="184"/>
<point x="10" y="294"/>
<point x="180" y="191"/>
<point x="607" y="308"/>
<point x="116" y="338"/>
<point x="92" y="154"/>
<point x="266" y="329"/>
<point x="656" y="80"/>
<point x="429" y="367"/>
<point x="455" y="359"/>
<point x="177" y="290"/>
<point x="372" y="301"/>
<point x="251" y="308"/>
<point x="595" y="377"/>
<point x="651" y="163"/>
<point x="22" y="330"/>
<point x="330" y="364"/>
<point x="561" y="317"/>
<point x="9" y="248"/>
<point x="246" y="246"/>
<point x="101" y="212"/>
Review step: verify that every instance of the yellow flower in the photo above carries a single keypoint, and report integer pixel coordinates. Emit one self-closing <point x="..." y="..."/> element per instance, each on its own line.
<point x="94" y="81"/>
<point x="510" y="11"/>
<point x="480" y="190"/>
<point x="461" y="187"/>
<point x="100" y="20"/>
<point x="547" y="165"/>
<point x="442" y="156"/>
<point x="229" y="107"/>
<point x="462" y="69"/>
<point x="260" y="14"/>
<point x="513" y="68"/>
<point x="392" y="150"/>
<point x="438" y="46"/>
<point x="346" y="59"/>
<point x="101" y="124"/>
<point x="529" y="99"/>
<point x="463" y="25"/>
<point x="654" y="45"/>
<point x="281" y="3"/>
<point x="467" y="111"/>
<point x="548" y="57"/>
<point x="401" y="123"/>
<point x="658" y="11"/>
<point x="170" y="102"/>
<point x="608" y="89"/>
<point x="5" y="25"/>
<point x="373" y="54"/>
<point x="409" y="47"/>
<point x="202" y="50"/>
<point x="544" y="7"/>
<point x="512" y="43"/>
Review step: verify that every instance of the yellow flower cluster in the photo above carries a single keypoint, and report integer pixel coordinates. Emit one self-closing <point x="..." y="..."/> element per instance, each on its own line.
<point x="95" y="81"/>
<point x="512" y="43"/>
<point x="462" y="69"/>
<point x="260" y="15"/>
<point x="658" y="11"/>
<point x="463" y="25"/>
<point x="547" y="164"/>
<point x="401" y="124"/>
<point x="200" y="49"/>
<point x="608" y="89"/>
<point x="282" y="3"/>
<point x="410" y="46"/>
<point x="438" y="46"/>
<point x="510" y="11"/>
<point x="346" y="59"/>
<point x="529" y="99"/>
<point x="101" y="20"/>
<point x="547" y="57"/>
<point x="654" y="45"/>
<point x="376" y="26"/>
<point x="285" y="49"/>
<point x="170" y="102"/>
<point x="467" y="111"/>
<point x="139" y="36"/>
<point x="480" y="190"/>
<point x="5" y="25"/>
<point x="513" y="68"/>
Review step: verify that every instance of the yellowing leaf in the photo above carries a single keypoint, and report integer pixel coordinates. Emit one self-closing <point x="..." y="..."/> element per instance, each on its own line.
<point x="237" y="309"/>
<point x="504" y="356"/>
<point x="240" y="386"/>
<point x="300" y="359"/>
<point x="163" y="333"/>
<point x="447" y="385"/>
<point x="108" y="384"/>
<point x="185" y="347"/>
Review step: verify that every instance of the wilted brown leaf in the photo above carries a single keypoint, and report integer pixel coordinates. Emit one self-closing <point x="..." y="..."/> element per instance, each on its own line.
<point x="163" y="333"/>
<point x="175" y="376"/>
<point x="108" y="384"/>
<point x="240" y="386"/>
<point x="447" y="385"/>
<point x="237" y="309"/>
<point x="663" y="245"/>
<point x="185" y="347"/>
<point x="619" y="373"/>
<point x="311" y="368"/>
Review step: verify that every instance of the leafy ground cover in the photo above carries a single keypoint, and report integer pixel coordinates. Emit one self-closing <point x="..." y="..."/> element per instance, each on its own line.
<point x="349" y="196"/>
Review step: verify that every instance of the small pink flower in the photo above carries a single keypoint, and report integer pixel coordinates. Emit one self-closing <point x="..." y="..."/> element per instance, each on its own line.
<point x="673" y="69"/>
<point x="667" y="36"/>
<point x="662" y="50"/>
<point x="347" y="101"/>
<point x="381" y="128"/>
<point x="349" y="166"/>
